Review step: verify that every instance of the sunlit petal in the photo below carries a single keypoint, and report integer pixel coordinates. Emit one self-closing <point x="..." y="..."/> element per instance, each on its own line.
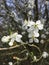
<point x="36" y="40"/>
<point x="5" y="38"/>
<point x="30" y="40"/>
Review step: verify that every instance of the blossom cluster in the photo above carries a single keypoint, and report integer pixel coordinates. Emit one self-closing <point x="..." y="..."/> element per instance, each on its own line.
<point x="11" y="38"/>
<point x="33" y="33"/>
<point x="33" y="30"/>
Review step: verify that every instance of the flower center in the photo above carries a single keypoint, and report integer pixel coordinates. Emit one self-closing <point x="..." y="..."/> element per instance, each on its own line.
<point x="36" y="26"/>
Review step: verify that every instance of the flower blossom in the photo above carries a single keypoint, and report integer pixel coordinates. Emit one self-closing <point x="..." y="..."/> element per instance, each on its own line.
<point x="33" y="31"/>
<point x="45" y="54"/>
<point x="36" y="26"/>
<point x="27" y="24"/>
<point x="13" y="37"/>
<point x="10" y="63"/>
<point x="33" y="37"/>
<point x="5" y="38"/>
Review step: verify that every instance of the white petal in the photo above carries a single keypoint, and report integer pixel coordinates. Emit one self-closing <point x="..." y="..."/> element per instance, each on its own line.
<point x="36" y="34"/>
<point x="19" y="36"/>
<point x="30" y="40"/>
<point x="40" y="26"/>
<point x="5" y="38"/>
<point x="11" y="42"/>
<point x="38" y="22"/>
<point x="30" y="35"/>
<point x="45" y="54"/>
<point x="36" y="30"/>
<point x="10" y="63"/>
<point x="30" y="23"/>
<point x="36" y="40"/>
<point x="18" y="39"/>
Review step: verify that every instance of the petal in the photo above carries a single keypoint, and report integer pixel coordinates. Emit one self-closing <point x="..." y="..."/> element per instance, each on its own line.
<point x="19" y="36"/>
<point x="30" y="35"/>
<point x="45" y="54"/>
<point x="40" y="26"/>
<point x="18" y="39"/>
<point x="36" y="40"/>
<point x="38" y="22"/>
<point x="36" y="29"/>
<point x="11" y="42"/>
<point x="36" y="34"/>
<point x="10" y="63"/>
<point x="30" y="23"/>
<point x="30" y="40"/>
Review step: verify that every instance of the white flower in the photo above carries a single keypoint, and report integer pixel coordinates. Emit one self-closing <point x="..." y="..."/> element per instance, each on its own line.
<point x="27" y="24"/>
<point x="35" y="26"/>
<point x="30" y="23"/>
<point x="15" y="37"/>
<point x="11" y="38"/>
<point x="38" y="25"/>
<point x="33" y="34"/>
<point x="45" y="55"/>
<point x="33" y="30"/>
<point x="10" y="63"/>
<point x="33" y="37"/>
<point x="5" y="38"/>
